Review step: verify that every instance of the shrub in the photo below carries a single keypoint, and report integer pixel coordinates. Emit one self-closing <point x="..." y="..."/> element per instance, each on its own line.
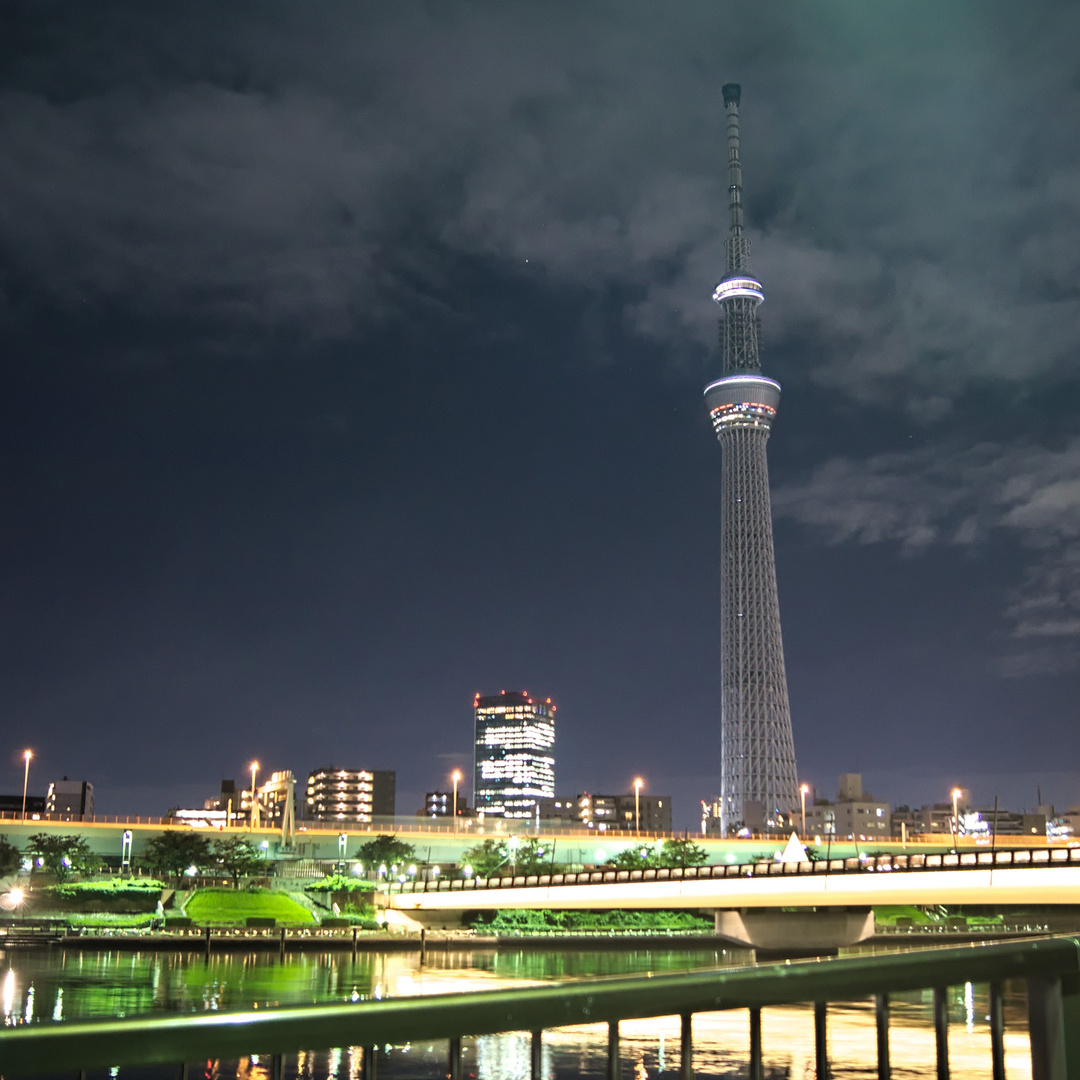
<point x="546" y="922"/>
<point x="340" y="883"/>
<point x="119" y="888"/>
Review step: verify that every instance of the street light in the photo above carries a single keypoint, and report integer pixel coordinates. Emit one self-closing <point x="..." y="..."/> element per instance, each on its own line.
<point x="802" y="795"/>
<point x="456" y="777"/>
<point x="254" y="808"/>
<point x="956" y="793"/>
<point x="638" y="782"/>
<point x="27" y="755"/>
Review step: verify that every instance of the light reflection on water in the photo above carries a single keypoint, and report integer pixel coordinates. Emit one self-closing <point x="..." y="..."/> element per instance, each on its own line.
<point x="75" y="985"/>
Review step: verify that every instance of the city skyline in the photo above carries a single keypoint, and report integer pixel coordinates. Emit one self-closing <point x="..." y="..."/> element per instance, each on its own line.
<point x="352" y="364"/>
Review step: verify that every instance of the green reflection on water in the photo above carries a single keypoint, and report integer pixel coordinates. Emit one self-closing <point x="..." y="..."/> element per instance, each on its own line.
<point x="44" y="985"/>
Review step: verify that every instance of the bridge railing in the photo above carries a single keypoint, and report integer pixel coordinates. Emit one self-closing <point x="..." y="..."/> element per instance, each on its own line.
<point x="964" y="860"/>
<point x="1051" y="967"/>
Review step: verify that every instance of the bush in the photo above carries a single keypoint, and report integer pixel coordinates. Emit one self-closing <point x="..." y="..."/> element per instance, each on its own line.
<point x="365" y="921"/>
<point x="111" y="919"/>
<point x="125" y="888"/>
<point x="341" y="883"/>
<point x="547" y="922"/>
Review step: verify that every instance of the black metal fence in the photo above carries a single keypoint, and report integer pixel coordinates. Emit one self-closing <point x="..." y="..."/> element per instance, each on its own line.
<point x="1050" y="966"/>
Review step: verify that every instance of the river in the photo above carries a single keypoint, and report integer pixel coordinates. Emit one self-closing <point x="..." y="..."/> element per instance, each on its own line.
<point x="39" y="986"/>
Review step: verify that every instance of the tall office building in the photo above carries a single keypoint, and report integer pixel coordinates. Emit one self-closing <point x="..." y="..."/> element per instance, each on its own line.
<point x="758" y="784"/>
<point x="514" y="763"/>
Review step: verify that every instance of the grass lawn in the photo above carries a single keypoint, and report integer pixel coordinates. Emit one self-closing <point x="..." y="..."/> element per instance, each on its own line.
<point x="228" y="907"/>
<point x="887" y="914"/>
<point x="102" y="918"/>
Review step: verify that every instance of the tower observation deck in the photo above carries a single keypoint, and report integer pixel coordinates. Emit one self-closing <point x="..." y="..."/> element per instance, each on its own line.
<point x="758" y="785"/>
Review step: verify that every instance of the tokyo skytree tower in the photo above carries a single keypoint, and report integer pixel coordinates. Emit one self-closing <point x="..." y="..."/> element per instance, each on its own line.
<point x="757" y="754"/>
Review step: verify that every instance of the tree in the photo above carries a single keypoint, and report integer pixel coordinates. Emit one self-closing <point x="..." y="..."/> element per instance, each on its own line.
<point x="682" y="851"/>
<point x="385" y="851"/>
<point x="61" y="855"/>
<point x="635" y="858"/>
<point x="510" y="855"/>
<point x="10" y="859"/>
<point x="237" y="855"/>
<point x="676" y="852"/>
<point x="173" y="852"/>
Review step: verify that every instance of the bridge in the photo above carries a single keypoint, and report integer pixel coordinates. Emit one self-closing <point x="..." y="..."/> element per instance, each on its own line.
<point x="833" y="899"/>
<point x="445" y="843"/>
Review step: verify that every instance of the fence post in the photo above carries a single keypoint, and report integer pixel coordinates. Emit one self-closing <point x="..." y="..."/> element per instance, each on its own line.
<point x="369" y="1062"/>
<point x="453" y="1065"/>
<point x="1070" y="1007"/>
<point x="756" y="1071"/>
<point x="1053" y="1016"/>
<point x="821" y="1040"/>
<point x="613" y="1050"/>
<point x="997" y="1032"/>
<point x="941" y="1031"/>
<point x="881" y="1016"/>
<point x="536" y="1055"/>
<point x="686" y="1047"/>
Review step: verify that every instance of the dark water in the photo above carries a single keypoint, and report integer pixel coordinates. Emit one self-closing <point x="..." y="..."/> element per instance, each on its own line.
<point x="41" y="987"/>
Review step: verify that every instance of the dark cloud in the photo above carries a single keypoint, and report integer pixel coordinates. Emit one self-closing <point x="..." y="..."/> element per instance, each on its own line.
<point x="917" y="207"/>
<point x="948" y="494"/>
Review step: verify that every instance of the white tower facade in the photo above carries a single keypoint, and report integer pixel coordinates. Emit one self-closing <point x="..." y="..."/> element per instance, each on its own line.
<point x="758" y="777"/>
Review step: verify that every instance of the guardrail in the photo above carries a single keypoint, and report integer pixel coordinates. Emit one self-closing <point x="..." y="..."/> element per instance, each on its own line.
<point x="1051" y="967"/>
<point x="965" y="860"/>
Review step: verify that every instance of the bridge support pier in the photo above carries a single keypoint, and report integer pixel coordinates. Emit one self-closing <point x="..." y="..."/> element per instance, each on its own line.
<point x="801" y="929"/>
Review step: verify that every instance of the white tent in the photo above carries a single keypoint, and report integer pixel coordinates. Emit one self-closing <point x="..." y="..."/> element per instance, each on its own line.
<point x="795" y="851"/>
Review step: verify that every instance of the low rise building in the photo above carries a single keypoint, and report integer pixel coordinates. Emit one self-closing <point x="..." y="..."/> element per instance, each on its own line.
<point x="439" y="804"/>
<point x="562" y="810"/>
<point x="626" y="813"/>
<point x="855" y="815"/>
<point x="346" y="795"/>
<point x="13" y="804"/>
<point x="71" y="799"/>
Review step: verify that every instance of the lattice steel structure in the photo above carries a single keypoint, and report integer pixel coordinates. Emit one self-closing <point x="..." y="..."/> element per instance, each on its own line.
<point x="758" y="784"/>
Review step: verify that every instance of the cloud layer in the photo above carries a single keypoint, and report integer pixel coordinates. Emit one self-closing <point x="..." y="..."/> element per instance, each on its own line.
<point x="917" y="207"/>
<point x="962" y="497"/>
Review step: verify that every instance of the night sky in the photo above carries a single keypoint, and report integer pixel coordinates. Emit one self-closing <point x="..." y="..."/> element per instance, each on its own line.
<point x="352" y="359"/>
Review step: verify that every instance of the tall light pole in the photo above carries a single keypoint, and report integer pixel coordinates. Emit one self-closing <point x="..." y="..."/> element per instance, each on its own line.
<point x="956" y="793"/>
<point x="254" y="810"/>
<point x="27" y="755"/>
<point x="638" y="784"/>
<point x="803" y="789"/>
<point x="456" y="777"/>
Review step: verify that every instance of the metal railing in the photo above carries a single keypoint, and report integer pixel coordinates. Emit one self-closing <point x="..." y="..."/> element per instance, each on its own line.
<point x="964" y="860"/>
<point x="1051" y="967"/>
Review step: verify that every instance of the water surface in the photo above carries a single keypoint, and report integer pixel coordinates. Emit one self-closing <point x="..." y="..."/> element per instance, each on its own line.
<point x="41" y="986"/>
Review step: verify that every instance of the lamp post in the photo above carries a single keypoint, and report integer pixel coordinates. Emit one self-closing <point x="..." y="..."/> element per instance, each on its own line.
<point x="803" y="789"/>
<point x="27" y="755"/>
<point x="254" y="817"/>
<point x="456" y="777"/>
<point x="638" y="783"/>
<point x="955" y="818"/>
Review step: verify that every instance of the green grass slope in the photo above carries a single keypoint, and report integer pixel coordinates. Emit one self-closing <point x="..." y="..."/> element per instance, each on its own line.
<point x="228" y="907"/>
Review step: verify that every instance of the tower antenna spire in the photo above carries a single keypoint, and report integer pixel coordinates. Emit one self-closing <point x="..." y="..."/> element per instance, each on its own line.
<point x="740" y="292"/>
<point x="732" y="96"/>
<point x="758" y="784"/>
